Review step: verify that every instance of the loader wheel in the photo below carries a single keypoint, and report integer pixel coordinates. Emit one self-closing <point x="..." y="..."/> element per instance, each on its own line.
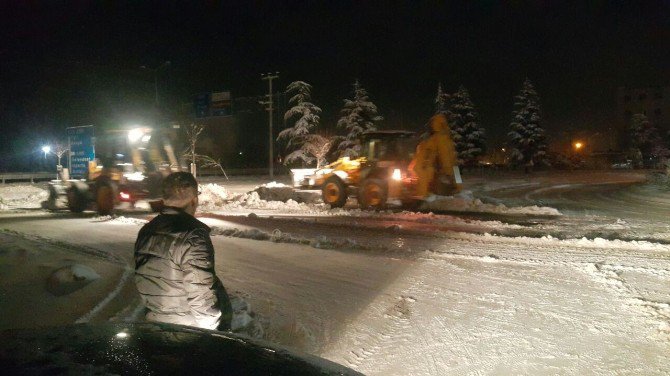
<point x="76" y="199"/>
<point x="334" y="192"/>
<point x="52" y="201"/>
<point x="105" y="195"/>
<point x="373" y="194"/>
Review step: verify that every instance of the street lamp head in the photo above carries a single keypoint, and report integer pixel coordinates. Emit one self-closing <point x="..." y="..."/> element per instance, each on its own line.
<point x="578" y="145"/>
<point x="46" y="149"/>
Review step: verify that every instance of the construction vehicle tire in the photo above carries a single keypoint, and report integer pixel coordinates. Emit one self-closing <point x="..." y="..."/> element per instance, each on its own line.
<point x="77" y="199"/>
<point x="412" y="204"/>
<point x="334" y="192"/>
<point x="105" y="196"/>
<point x="373" y="194"/>
<point x="52" y="201"/>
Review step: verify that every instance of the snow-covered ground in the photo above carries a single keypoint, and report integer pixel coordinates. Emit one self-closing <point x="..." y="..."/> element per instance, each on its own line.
<point x="548" y="274"/>
<point x="22" y="196"/>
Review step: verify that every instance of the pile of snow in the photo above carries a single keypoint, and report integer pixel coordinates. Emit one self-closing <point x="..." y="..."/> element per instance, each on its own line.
<point x="69" y="279"/>
<point x="244" y="320"/>
<point x="213" y="196"/>
<point x="464" y="202"/>
<point x="274" y="191"/>
<point x="272" y="196"/>
<point x="21" y="196"/>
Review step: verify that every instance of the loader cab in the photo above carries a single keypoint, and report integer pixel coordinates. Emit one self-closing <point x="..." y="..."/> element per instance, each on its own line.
<point x="388" y="146"/>
<point x="138" y="150"/>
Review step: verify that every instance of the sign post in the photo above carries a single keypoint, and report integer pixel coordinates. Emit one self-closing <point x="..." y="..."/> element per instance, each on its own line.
<point x="82" y="149"/>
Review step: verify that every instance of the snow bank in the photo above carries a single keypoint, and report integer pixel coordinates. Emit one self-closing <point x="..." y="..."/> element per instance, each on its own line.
<point x="277" y="236"/>
<point x="213" y="196"/>
<point x="548" y="240"/>
<point x="120" y="220"/>
<point x="464" y="202"/>
<point x="21" y="196"/>
<point x="281" y="197"/>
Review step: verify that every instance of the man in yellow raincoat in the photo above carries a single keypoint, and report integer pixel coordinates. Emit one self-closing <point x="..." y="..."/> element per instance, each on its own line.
<point x="435" y="160"/>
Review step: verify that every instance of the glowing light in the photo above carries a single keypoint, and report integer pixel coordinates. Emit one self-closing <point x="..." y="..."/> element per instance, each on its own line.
<point x="299" y="174"/>
<point x="122" y="335"/>
<point x="134" y="135"/>
<point x="134" y="176"/>
<point x="578" y="145"/>
<point x="46" y="149"/>
<point x="124" y="195"/>
<point x="396" y="174"/>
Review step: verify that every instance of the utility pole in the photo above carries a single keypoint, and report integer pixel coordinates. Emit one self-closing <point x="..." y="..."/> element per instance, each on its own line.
<point x="154" y="71"/>
<point x="269" y="77"/>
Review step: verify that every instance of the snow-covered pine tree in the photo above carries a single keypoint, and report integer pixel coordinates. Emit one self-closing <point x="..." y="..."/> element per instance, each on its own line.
<point x="468" y="136"/>
<point x="306" y="116"/>
<point x="527" y="136"/>
<point x="358" y="115"/>
<point x="441" y="101"/>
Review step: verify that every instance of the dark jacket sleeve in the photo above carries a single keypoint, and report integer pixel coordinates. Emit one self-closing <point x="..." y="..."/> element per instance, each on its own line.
<point x="200" y="280"/>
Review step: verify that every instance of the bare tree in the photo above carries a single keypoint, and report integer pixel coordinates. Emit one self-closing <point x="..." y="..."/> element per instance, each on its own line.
<point x="318" y="146"/>
<point x="207" y="161"/>
<point x="59" y="150"/>
<point x="192" y="133"/>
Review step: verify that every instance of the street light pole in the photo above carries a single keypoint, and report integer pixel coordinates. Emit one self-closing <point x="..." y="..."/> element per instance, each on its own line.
<point x="155" y="72"/>
<point x="269" y="77"/>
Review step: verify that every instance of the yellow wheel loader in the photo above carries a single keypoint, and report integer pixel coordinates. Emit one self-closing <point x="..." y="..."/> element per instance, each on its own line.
<point x="128" y="166"/>
<point x="394" y="166"/>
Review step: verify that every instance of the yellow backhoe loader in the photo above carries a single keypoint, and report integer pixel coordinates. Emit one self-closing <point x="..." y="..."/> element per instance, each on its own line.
<point x="394" y="166"/>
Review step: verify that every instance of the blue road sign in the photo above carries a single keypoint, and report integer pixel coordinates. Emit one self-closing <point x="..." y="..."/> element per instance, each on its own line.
<point x="201" y="105"/>
<point x="82" y="149"/>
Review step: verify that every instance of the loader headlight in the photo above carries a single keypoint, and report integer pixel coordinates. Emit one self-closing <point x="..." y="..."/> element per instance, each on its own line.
<point x="396" y="174"/>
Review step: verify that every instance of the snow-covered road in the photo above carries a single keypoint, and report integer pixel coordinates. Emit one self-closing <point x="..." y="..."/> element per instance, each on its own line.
<point x="587" y="292"/>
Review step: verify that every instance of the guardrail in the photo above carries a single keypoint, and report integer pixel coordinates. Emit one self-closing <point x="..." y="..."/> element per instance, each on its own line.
<point x="24" y="176"/>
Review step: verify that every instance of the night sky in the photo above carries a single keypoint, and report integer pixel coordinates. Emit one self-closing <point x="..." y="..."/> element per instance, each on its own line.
<point x="75" y="63"/>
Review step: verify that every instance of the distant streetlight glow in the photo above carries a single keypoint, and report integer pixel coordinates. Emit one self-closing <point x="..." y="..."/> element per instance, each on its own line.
<point x="134" y="135"/>
<point x="578" y="145"/>
<point x="46" y="149"/>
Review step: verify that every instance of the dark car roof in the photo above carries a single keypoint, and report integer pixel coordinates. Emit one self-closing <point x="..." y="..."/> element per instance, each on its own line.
<point x="151" y="348"/>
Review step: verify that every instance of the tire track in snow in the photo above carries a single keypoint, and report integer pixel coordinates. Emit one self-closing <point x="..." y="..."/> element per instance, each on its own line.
<point x="372" y="342"/>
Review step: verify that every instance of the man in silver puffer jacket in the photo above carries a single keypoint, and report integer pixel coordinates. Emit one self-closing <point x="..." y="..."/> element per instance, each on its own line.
<point x="174" y="262"/>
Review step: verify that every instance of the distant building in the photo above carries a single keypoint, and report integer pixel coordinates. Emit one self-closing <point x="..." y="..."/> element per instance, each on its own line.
<point x="236" y="131"/>
<point x="652" y="101"/>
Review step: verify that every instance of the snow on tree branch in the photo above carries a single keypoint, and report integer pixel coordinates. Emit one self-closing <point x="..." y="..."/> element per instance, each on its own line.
<point x="305" y="116"/>
<point x="358" y="115"/>
<point x="527" y="136"/>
